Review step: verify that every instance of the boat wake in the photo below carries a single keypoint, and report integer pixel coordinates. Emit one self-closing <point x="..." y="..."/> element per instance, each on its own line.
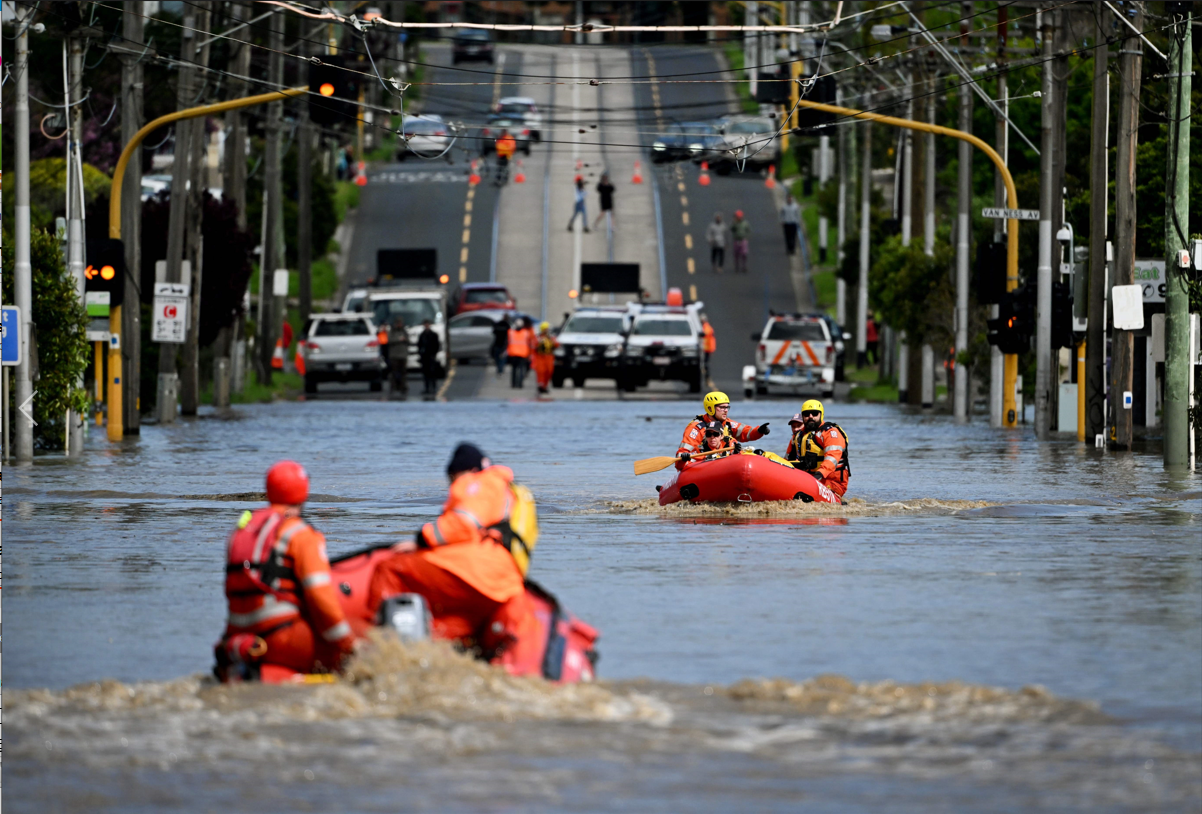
<point x="853" y="507"/>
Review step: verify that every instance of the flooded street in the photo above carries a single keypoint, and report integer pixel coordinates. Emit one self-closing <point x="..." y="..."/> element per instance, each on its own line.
<point x="991" y="624"/>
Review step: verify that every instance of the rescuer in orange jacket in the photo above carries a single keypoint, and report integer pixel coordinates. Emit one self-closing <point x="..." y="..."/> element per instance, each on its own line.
<point x="456" y="562"/>
<point x="820" y="448"/>
<point x="544" y="357"/>
<point x="709" y="343"/>
<point x="717" y="407"/>
<point x="521" y="348"/>
<point x="282" y="606"/>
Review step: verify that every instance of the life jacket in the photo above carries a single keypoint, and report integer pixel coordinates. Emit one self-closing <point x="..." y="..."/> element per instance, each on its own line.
<point x="518" y="532"/>
<point x="255" y="563"/>
<point x="713" y="430"/>
<point x="545" y="345"/>
<point x="809" y="453"/>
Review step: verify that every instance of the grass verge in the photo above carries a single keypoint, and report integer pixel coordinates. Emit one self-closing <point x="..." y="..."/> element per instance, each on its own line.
<point x="734" y="57"/>
<point x="283" y="386"/>
<point x="886" y="393"/>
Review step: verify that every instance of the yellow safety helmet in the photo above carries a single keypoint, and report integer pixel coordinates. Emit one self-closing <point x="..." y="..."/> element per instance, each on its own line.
<point x="544" y="326"/>
<point x="814" y="404"/>
<point x="713" y="399"/>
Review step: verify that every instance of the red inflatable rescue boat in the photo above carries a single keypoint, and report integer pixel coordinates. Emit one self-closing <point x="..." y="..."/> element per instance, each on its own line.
<point x="564" y="651"/>
<point x="746" y="477"/>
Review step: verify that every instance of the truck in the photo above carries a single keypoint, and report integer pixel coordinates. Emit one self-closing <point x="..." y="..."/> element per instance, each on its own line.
<point x="407" y="285"/>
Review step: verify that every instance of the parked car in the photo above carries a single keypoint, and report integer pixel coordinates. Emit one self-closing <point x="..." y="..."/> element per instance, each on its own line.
<point x="748" y="138"/>
<point x="795" y="353"/>
<point x="472" y="45"/>
<point x="425" y="136"/>
<point x="472" y="332"/>
<point x="590" y="345"/>
<point x="524" y="109"/>
<point x="343" y="348"/>
<point x="664" y="344"/>
<point x="699" y="141"/>
<point x="498" y="124"/>
<point x="478" y="296"/>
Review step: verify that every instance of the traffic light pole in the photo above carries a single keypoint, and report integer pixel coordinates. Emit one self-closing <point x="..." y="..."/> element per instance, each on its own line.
<point x="1010" y="375"/>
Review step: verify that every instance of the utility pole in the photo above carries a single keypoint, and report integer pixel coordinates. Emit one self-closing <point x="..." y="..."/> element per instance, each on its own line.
<point x="997" y="360"/>
<point x="1178" y="364"/>
<point x="1123" y="342"/>
<point x="23" y="270"/>
<point x="229" y="374"/>
<point x="908" y="394"/>
<point x="75" y="211"/>
<point x="1047" y="182"/>
<point x="168" y="383"/>
<point x="841" y="219"/>
<point x="269" y="255"/>
<point x="751" y="45"/>
<point x="197" y="192"/>
<point x="132" y="28"/>
<point x="960" y="404"/>
<point x="1099" y="172"/>
<point x="865" y="227"/>
<point x="304" y="210"/>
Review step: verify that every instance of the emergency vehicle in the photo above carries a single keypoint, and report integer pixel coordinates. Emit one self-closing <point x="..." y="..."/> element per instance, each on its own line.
<point x="795" y="353"/>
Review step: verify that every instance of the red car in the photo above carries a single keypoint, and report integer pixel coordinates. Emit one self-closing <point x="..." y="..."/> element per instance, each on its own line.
<point x="480" y="296"/>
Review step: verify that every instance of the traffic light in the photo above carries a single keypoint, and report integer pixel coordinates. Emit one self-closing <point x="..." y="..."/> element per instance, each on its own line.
<point x="1062" y="315"/>
<point x="105" y="270"/>
<point x="990" y="272"/>
<point x="824" y="92"/>
<point x="333" y="92"/>
<point x="1015" y="323"/>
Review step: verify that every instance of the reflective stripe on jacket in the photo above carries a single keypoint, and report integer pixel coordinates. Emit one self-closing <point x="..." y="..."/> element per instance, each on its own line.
<point x="694" y="435"/>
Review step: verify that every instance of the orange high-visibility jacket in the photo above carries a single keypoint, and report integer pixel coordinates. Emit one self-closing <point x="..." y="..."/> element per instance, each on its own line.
<point x="506" y="146"/>
<point x="462" y="542"/>
<point x="694" y="434"/>
<point x="521" y="342"/>
<point x="832" y="470"/>
<point x="302" y="593"/>
<point x="709" y="342"/>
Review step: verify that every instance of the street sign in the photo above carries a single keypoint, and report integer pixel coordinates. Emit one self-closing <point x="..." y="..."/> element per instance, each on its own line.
<point x="1010" y="214"/>
<point x="170" y="312"/>
<point x="10" y="319"/>
<point x="97" y="303"/>
<point x="1149" y="274"/>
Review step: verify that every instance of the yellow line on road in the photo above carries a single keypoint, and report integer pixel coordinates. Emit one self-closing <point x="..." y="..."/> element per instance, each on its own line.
<point x="463" y="255"/>
<point x="471" y="193"/>
<point x="684" y="217"/>
<point x="467" y="235"/>
<point x="680" y="185"/>
<point x="688" y="241"/>
<point x="684" y="200"/>
<point x="467" y="221"/>
<point x="693" y="293"/>
<point x="442" y="391"/>
<point x="467" y="207"/>
<point x="463" y="274"/>
<point x="692" y="266"/>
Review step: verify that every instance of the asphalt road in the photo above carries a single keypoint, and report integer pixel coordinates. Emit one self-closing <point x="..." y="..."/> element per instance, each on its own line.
<point x="737" y="305"/>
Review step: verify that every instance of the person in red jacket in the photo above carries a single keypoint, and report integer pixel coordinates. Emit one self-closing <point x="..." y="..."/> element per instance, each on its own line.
<point x="456" y="561"/>
<point x="717" y="408"/>
<point x="282" y="605"/>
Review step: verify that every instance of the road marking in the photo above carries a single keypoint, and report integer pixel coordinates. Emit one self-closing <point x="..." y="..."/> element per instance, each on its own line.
<point x="463" y="274"/>
<point x="417" y="178"/>
<point x="442" y="391"/>
<point x="467" y="207"/>
<point x="684" y="217"/>
<point x="467" y="221"/>
<point x="496" y="83"/>
<point x="680" y="185"/>
<point x="463" y="255"/>
<point x="684" y="200"/>
<point x="688" y="241"/>
<point x="467" y="235"/>
<point x="693" y="293"/>
<point x="471" y="193"/>
<point x="692" y="267"/>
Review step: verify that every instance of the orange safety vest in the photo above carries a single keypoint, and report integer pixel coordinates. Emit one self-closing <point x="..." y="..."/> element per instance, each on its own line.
<point x="521" y="343"/>
<point x="506" y="146"/>
<point x="708" y="344"/>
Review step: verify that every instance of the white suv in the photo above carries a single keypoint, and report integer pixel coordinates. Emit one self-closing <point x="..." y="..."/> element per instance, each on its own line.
<point x="795" y="353"/>
<point x="342" y="348"/>
<point x="524" y="110"/>
<point x="664" y="343"/>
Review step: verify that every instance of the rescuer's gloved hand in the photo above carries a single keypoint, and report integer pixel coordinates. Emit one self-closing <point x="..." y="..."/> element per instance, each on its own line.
<point x="685" y="457"/>
<point x="763" y="428"/>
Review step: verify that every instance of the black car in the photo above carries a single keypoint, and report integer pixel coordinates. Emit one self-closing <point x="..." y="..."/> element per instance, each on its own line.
<point x="472" y="44"/>
<point x="699" y="141"/>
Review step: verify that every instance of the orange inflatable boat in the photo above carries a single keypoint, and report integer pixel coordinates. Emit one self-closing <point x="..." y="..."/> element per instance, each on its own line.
<point x="746" y="477"/>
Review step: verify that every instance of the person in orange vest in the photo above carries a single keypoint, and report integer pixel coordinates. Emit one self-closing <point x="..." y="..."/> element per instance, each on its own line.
<point x="505" y="147"/>
<point x="709" y="342"/>
<point x="521" y="348"/>
<point x="717" y="408"/>
<point x="820" y="447"/>
<point x="282" y="606"/>
<point x="456" y="561"/>
<point x="544" y="357"/>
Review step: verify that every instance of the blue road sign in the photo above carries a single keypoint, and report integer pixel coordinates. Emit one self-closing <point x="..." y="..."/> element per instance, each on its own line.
<point x="10" y="348"/>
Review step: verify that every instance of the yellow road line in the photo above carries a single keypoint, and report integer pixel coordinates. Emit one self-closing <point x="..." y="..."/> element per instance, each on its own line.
<point x="467" y="221"/>
<point x="693" y="293"/>
<point x="684" y="217"/>
<point x="467" y="235"/>
<point x="471" y="193"/>
<point x="467" y="207"/>
<point x="684" y="200"/>
<point x="688" y="241"/>
<point x="680" y="185"/>
<point x="463" y="274"/>
<point x="692" y="267"/>
<point x="463" y="255"/>
<point x="442" y="391"/>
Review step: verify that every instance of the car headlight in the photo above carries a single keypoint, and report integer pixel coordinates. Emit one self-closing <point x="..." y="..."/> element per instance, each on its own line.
<point x="688" y="351"/>
<point x="634" y="351"/>
<point x="659" y="145"/>
<point x="560" y="352"/>
<point x="613" y="350"/>
<point x="695" y="147"/>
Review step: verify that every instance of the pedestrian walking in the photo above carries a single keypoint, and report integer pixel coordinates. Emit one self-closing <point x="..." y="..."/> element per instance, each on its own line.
<point x="544" y="357"/>
<point x="605" y="189"/>
<point x="398" y="357"/>
<point x="428" y="346"/>
<point x="579" y="210"/>
<point x="871" y="338"/>
<point x="500" y="343"/>
<point x="709" y="343"/>
<point x="790" y="220"/>
<point x="715" y="234"/>
<point x="521" y="348"/>
<point x="740" y="230"/>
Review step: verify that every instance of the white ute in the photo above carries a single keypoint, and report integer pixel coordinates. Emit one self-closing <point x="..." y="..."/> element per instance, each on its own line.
<point x="795" y="353"/>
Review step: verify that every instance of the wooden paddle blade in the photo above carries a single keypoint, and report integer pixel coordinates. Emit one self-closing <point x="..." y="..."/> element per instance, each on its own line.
<point x="653" y="464"/>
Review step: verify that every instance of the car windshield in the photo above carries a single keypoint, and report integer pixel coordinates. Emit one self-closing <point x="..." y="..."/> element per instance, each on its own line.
<point x="805" y="331"/>
<point x="515" y="109"/>
<point x="663" y="327"/>
<point x="413" y="311"/>
<point x="474" y="34"/>
<point x="341" y="327"/>
<point x="694" y="128"/>
<point x="592" y="324"/>
<point x="355" y="303"/>
<point x="423" y="127"/>
<point x="486" y="295"/>
<point x="748" y="128"/>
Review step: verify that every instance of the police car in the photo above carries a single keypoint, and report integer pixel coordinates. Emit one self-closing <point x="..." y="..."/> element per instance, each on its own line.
<point x="795" y="353"/>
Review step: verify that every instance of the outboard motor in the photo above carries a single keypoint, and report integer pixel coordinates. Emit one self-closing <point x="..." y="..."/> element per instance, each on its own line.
<point x="407" y="614"/>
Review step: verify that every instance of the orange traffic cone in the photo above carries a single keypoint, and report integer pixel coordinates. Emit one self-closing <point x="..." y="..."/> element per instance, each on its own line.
<point x="474" y="177"/>
<point x="277" y="355"/>
<point x="299" y="360"/>
<point x="361" y="178"/>
<point x="520" y="176"/>
<point x="704" y="180"/>
<point x="638" y="173"/>
<point x="770" y="182"/>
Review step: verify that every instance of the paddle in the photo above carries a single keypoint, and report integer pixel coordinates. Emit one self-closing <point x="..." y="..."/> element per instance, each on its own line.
<point x="659" y="462"/>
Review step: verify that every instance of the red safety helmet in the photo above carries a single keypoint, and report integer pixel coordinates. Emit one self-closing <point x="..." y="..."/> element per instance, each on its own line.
<point x="738" y="213"/>
<point x="287" y="483"/>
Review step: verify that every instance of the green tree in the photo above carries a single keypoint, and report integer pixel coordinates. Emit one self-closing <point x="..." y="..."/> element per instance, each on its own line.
<point x="59" y="327"/>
